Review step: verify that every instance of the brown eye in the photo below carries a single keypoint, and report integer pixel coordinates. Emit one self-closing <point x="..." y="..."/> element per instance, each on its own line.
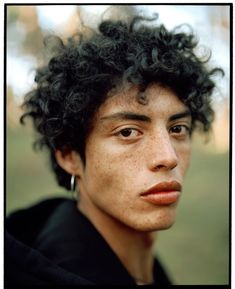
<point x="126" y="132"/>
<point x="180" y="130"/>
<point x="177" y="129"/>
<point x="129" y="133"/>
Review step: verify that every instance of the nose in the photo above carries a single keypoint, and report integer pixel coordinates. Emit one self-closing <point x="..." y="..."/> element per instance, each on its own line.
<point x="162" y="156"/>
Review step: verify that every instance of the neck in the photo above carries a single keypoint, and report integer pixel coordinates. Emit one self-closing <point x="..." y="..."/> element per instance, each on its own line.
<point x="133" y="248"/>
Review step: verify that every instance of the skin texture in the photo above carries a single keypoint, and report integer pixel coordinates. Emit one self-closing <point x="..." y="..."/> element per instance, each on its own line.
<point x="126" y="157"/>
<point x="119" y="168"/>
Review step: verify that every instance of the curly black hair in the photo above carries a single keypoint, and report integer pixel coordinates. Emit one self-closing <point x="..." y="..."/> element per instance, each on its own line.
<point x="78" y="77"/>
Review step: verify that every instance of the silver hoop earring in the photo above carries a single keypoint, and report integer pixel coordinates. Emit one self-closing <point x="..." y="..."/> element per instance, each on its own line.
<point x="72" y="183"/>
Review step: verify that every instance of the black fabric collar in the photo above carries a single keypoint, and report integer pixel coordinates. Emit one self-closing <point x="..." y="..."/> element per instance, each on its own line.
<point x="72" y="242"/>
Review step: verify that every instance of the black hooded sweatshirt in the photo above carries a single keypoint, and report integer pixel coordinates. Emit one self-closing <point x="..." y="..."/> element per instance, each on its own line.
<point x="53" y="245"/>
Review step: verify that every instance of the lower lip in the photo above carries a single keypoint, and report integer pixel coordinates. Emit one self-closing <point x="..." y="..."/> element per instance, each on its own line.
<point x="162" y="198"/>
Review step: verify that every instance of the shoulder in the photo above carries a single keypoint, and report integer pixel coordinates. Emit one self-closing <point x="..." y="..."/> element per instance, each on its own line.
<point x="26" y="266"/>
<point x="24" y="224"/>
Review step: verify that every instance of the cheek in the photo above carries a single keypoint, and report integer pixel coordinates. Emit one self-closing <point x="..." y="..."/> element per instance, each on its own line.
<point x="112" y="169"/>
<point x="184" y="156"/>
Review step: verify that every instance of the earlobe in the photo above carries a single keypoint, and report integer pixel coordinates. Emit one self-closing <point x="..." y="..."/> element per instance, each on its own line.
<point x="70" y="161"/>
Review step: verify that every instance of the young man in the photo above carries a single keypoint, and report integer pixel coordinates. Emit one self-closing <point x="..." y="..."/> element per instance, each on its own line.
<point x="116" y="110"/>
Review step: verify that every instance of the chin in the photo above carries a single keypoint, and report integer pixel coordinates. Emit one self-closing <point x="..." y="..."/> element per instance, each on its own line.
<point x="155" y="227"/>
<point x="165" y="226"/>
<point x="152" y="225"/>
<point x="162" y="221"/>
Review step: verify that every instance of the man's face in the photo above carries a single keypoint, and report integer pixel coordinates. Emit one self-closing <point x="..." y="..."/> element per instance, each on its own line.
<point x="136" y="158"/>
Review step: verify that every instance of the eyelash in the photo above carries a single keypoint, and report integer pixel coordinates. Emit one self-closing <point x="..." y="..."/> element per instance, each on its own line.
<point x="138" y="133"/>
<point x="187" y="129"/>
<point x="127" y="129"/>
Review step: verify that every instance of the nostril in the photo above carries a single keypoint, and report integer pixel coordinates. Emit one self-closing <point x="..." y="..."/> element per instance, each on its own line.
<point x="165" y="166"/>
<point x="160" y="166"/>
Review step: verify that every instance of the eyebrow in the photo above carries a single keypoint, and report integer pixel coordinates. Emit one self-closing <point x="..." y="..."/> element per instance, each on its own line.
<point x="126" y="115"/>
<point x="183" y="114"/>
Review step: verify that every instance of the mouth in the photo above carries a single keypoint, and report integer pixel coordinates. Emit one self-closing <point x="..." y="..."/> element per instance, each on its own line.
<point x="163" y="194"/>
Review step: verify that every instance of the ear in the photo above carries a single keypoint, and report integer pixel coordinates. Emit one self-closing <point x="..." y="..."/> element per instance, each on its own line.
<point x="70" y="161"/>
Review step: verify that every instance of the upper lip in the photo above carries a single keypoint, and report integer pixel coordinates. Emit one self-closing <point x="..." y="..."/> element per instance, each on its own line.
<point x="163" y="187"/>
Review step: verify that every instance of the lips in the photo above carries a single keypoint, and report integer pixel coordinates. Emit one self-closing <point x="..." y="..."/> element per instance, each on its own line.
<point x="162" y="194"/>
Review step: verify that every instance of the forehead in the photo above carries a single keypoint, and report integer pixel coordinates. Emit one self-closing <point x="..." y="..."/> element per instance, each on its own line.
<point x="158" y="99"/>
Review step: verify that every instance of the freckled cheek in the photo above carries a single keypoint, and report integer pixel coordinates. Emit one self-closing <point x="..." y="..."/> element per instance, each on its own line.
<point x="184" y="157"/>
<point x="112" y="168"/>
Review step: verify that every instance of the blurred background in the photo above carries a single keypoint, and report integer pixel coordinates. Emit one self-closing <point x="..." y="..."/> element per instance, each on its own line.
<point x="196" y="249"/>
